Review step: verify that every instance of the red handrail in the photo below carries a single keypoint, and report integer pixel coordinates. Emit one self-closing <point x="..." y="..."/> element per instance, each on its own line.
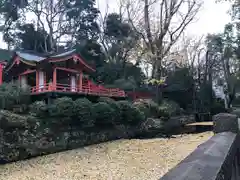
<point x="85" y="89"/>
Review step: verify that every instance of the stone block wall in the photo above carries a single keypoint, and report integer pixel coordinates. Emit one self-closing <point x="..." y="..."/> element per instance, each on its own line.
<point x="216" y="159"/>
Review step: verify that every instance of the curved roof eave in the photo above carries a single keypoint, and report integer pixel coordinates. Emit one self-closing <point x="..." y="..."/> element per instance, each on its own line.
<point x="72" y="56"/>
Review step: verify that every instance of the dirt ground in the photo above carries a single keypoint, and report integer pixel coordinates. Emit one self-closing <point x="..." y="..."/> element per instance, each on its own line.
<point x="117" y="160"/>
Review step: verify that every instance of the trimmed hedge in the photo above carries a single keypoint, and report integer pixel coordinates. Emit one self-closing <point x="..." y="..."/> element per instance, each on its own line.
<point x="130" y="115"/>
<point x="62" y="107"/>
<point x="217" y="107"/>
<point x="104" y="114"/>
<point x="152" y="110"/>
<point x="39" y="109"/>
<point x="68" y="124"/>
<point x="148" y="107"/>
<point x="12" y="95"/>
<point x="106" y="99"/>
<point x="115" y="106"/>
<point x="169" y="108"/>
<point x="83" y="112"/>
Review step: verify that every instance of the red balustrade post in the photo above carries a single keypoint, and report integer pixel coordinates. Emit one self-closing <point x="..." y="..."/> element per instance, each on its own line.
<point x="89" y="86"/>
<point x="80" y="81"/>
<point x="37" y="80"/>
<point x="54" y="79"/>
<point x="1" y="74"/>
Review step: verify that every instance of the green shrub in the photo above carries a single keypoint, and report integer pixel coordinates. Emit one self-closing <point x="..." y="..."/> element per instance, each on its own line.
<point x="83" y="112"/>
<point x="236" y="102"/>
<point x="169" y="108"/>
<point x="217" y="107"/>
<point x="12" y="95"/>
<point x="114" y="105"/>
<point x="39" y="109"/>
<point x="130" y="115"/>
<point x="104" y="114"/>
<point x="105" y="99"/>
<point x="164" y="111"/>
<point x="152" y="125"/>
<point x="148" y="107"/>
<point x="62" y="107"/>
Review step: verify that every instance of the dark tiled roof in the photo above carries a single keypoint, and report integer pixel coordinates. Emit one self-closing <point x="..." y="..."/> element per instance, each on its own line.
<point x="37" y="57"/>
<point x="63" y="54"/>
<point x="30" y="56"/>
<point x="33" y="58"/>
<point x="6" y="55"/>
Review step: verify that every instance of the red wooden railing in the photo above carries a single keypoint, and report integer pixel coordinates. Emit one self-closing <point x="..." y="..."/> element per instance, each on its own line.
<point x="90" y="89"/>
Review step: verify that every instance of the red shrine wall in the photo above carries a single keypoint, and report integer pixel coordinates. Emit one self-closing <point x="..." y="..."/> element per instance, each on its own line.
<point x="2" y="65"/>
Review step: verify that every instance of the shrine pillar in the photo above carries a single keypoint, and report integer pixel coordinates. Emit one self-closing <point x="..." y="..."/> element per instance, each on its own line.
<point x="23" y="81"/>
<point x="41" y="80"/>
<point x="54" y="83"/>
<point x="73" y="83"/>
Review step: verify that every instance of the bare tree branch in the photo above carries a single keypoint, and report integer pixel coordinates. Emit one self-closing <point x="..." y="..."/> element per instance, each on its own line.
<point x="164" y="23"/>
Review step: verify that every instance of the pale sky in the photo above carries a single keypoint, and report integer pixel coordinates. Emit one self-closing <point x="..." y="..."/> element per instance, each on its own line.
<point x="211" y="18"/>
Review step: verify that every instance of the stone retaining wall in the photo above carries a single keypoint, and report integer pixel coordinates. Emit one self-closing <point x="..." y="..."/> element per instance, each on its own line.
<point x="216" y="159"/>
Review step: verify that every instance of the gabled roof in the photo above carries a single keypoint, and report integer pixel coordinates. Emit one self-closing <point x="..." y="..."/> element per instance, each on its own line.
<point x="33" y="58"/>
<point x="63" y="56"/>
<point x="30" y="57"/>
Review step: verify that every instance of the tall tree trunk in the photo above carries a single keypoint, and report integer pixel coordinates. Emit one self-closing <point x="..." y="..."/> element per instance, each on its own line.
<point x="230" y="85"/>
<point x="157" y="70"/>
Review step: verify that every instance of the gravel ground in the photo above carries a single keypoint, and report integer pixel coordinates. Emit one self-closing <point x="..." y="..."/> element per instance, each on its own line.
<point x="117" y="160"/>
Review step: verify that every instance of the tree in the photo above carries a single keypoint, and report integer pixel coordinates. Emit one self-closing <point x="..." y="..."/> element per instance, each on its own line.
<point x="225" y="48"/>
<point x="31" y="39"/>
<point x="113" y="74"/>
<point x="117" y="38"/>
<point x="92" y="52"/>
<point x="64" y="21"/>
<point x="160" y="26"/>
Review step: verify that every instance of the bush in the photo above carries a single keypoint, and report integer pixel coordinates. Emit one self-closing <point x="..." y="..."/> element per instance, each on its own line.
<point x="83" y="112"/>
<point x="114" y="105"/>
<point x="152" y="125"/>
<point x="130" y="115"/>
<point x="236" y="102"/>
<point x="164" y="112"/>
<point x="148" y="107"/>
<point x="39" y="109"/>
<point x="62" y="107"/>
<point x="105" y="99"/>
<point x="11" y="95"/>
<point x="104" y="114"/>
<point x="169" y="108"/>
<point x="217" y="107"/>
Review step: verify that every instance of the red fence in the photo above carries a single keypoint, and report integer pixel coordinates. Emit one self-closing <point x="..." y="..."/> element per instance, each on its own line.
<point x="90" y="89"/>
